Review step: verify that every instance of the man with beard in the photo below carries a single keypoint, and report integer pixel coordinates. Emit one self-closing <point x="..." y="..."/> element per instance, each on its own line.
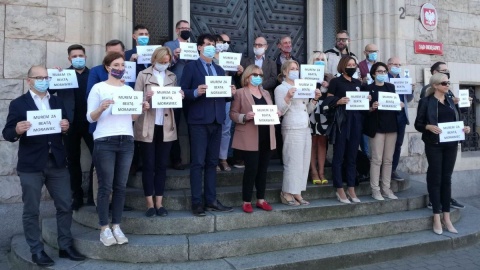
<point x="340" y="50"/>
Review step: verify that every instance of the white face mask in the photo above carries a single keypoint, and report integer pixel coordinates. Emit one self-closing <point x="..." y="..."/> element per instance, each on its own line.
<point x="219" y="48"/>
<point x="259" y="51"/>
<point x="161" y="67"/>
<point x="225" y="47"/>
<point x="293" y="75"/>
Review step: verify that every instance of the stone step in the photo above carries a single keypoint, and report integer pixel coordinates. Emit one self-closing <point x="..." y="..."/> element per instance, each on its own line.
<point x="183" y="222"/>
<point x="242" y="242"/>
<point x="232" y="195"/>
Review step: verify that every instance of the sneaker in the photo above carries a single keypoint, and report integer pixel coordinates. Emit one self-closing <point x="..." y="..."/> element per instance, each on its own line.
<point x="396" y="177"/>
<point x="377" y="195"/>
<point x="106" y="237"/>
<point x="119" y="236"/>
<point x="389" y="194"/>
<point x="239" y="164"/>
<point x="455" y="204"/>
<point x="429" y="205"/>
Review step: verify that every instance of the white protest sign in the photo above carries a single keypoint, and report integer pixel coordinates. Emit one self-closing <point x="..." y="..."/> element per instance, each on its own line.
<point x="145" y="53"/>
<point x="166" y="97"/>
<point x="451" y="131"/>
<point x="312" y="72"/>
<point x="218" y="86"/>
<point x="265" y="115"/>
<point x="464" y="95"/>
<point x="64" y="79"/>
<point x="130" y="71"/>
<point x="229" y="61"/>
<point x="127" y="102"/>
<point x="358" y="101"/>
<point x="403" y="86"/>
<point x="389" y="101"/>
<point x="305" y="88"/>
<point x="188" y="51"/>
<point x="44" y="122"/>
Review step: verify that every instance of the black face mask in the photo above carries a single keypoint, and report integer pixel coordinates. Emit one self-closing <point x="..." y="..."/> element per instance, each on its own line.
<point x="350" y="71"/>
<point x="185" y="34"/>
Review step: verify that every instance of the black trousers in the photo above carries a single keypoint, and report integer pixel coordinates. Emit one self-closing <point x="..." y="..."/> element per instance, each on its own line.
<point x="441" y="160"/>
<point x="176" y="151"/>
<point x="256" y="165"/>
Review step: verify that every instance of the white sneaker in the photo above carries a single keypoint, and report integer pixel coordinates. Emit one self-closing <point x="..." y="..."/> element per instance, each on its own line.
<point x="118" y="234"/>
<point x="107" y="238"/>
<point x="377" y="196"/>
<point x="389" y="194"/>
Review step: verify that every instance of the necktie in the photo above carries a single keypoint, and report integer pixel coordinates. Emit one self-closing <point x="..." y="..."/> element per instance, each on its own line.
<point x="209" y="70"/>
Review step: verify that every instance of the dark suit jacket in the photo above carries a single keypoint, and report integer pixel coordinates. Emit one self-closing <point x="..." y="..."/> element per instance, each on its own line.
<point x="177" y="66"/>
<point x="202" y="110"/>
<point x="279" y="62"/>
<point x="269" y="69"/>
<point x="140" y="67"/>
<point x="33" y="150"/>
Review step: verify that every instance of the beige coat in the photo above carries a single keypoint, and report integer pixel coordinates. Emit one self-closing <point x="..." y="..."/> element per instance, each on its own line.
<point x="145" y="124"/>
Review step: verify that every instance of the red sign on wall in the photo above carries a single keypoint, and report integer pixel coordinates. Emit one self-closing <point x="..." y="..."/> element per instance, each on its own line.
<point x="428" y="47"/>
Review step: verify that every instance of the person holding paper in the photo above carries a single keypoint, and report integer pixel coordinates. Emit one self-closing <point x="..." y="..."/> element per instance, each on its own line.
<point x="297" y="141"/>
<point x="382" y="129"/>
<point x="141" y="37"/>
<point x="155" y="130"/>
<point x="42" y="161"/>
<point x="113" y="147"/>
<point x="349" y="127"/>
<point x="437" y="107"/>
<point x="255" y="141"/>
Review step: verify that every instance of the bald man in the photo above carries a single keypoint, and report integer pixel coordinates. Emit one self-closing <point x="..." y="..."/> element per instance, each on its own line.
<point x="371" y="56"/>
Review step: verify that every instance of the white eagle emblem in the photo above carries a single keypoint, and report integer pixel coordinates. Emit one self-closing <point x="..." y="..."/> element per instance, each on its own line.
<point x="430" y="17"/>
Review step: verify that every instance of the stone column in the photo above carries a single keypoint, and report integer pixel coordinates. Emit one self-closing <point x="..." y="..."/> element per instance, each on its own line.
<point x="314" y="26"/>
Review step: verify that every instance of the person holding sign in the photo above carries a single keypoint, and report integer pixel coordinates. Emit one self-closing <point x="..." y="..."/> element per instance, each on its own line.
<point x="435" y="108"/>
<point x="297" y="141"/>
<point x="141" y="37"/>
<point x="155" y="130"/>
<point x="349" y="127"/>
<point x="113" y="146"/>
<point x="382" y="128"/>
<point x="42" y="161"/>
<point x="255" y="141"/>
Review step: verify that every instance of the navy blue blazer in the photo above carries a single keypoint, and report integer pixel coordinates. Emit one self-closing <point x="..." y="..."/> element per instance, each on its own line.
<point x="140" y="67"/>
<point x="33" y="150"/>
<point x="177" y="66"/>
<point x="202" y="110"/>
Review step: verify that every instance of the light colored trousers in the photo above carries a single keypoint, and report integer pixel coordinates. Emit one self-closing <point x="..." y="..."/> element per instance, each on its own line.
<point x="382" y="147"/>
<point x="297" y="151"/>
<point x="225" y="141"/>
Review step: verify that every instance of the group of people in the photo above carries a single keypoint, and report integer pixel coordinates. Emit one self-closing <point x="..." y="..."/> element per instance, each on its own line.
<point x="300" y="140"/>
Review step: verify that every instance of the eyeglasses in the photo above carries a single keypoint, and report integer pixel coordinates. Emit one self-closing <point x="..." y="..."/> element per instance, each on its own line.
<point x="381" y="71"/>
<point x="396" y="65"/>
<point x="342" y="39"/>
<point x="258" y="45"/>
<point x="317" y="52"/>
<point x="445" y="83"/>
<point x="227" y="41"/>
<point x="185" y="28"/>
<point x="257" y="74"/>
<point x="443" y="70"/>
<point x="41" y="78"/>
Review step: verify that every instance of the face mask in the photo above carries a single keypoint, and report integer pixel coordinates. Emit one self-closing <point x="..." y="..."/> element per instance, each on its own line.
<point x="78" y="62"/>
<point x="219" y="48"/>
<point x="372" y="57"/>
<point x="225" y="47"/>
<point x="319" y="63"/>
<point x="209" y="51"/>
<point x="41" y="85"/>
<point x="161" y="67"/>
<point x="142" y="40"/>
<point x="185" y="34"/>
<point x="256" y="80"/>
<point x="259" y="51"/>
<point x="381" y="77"/>
<point x="293" y="75"/>
<point x="395" y="70"/>
<point x="117" y="73"/>
<point x="350" y="71"/>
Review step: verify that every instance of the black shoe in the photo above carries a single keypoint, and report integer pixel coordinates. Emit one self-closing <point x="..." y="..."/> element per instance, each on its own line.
<point x="41" y="259"/>
<point x="396" y="177"/>
<point x="217" y="206"/>
<point x="455" y="204"/>
<point x="162" y="212"/>
<point x="125" y="208"/>
<point x="178" y="166"/>
<point x="76" y="204"/>
<point x="198" y="210"/>
<point x="429" y="205"/>
<point x="71" y="253"/>
<point x="150" y="212"/>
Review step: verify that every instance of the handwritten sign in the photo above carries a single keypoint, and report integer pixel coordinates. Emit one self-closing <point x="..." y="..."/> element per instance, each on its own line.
<point x="166" y="97"/>
<point x="218" y="86"/>
<point x="305" y="88"/>
<point x="145" y="53"/>
<point x="265" y="115"/>
<point x="130" y="71"/>
<point x="464" y="95"/>
<point x="127" y="102"/>
<point x="229" y="61"/>
<point x="389" y="101"/>
<point x="44" y="122"/>
<point x="358" y="101"/>
<point x="188" y="51"/>
<point x="451" y="131"/>
<point x="64" y="79"/>
<point x="312" y="72"/>
<point x="403" y="86"/>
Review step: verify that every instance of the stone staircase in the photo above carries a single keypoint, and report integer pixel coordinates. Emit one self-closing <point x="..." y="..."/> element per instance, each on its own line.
<point x="323" y="235"/>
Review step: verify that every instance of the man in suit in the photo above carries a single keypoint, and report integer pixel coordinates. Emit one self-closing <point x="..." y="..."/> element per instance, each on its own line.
<point x="41" y="161"/>
<point x="205" y="118"/>
<point x="284" y="44"/>
<point x="371" y="56"/>
<point x="141" y="37"/>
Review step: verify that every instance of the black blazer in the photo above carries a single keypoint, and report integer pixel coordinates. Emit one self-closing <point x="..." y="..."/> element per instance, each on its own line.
<point x="33" y="150"/>
<point x="370" y="125"/>
<point x="269" y="69"/>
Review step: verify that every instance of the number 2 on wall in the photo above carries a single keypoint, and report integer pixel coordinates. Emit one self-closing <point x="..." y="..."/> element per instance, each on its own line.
<point x="402" y="15"/>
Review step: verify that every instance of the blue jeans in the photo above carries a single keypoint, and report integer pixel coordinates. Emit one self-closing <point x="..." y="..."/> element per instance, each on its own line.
<point x="225" y="141"/>
<point x="364" y="146"/>
<point x="112" y="157"/>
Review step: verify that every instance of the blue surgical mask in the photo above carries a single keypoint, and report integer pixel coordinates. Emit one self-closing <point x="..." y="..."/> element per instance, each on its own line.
<point x="41" y="85"/>
<point x="142" y="40"/>
<point x="381" y="77"/>
<point x="256" y="80"/>
<point x="319" y="63"/>
<point x="209" y="51"/>
<point x="372" y="57"/>
<point x="78" y="62"/>
<point x="293" y="75"/>
<point x="396" y="70"/>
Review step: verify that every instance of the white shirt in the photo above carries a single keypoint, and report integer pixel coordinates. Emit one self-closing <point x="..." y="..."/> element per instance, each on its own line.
<point x="42" y="104"/>
<point x="259" y="62"/>
<point x="108" y="124"/>
<point x="159" y="111"/>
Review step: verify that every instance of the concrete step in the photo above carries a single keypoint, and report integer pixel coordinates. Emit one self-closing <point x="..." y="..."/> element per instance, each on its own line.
<point x="183" y="222"/>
